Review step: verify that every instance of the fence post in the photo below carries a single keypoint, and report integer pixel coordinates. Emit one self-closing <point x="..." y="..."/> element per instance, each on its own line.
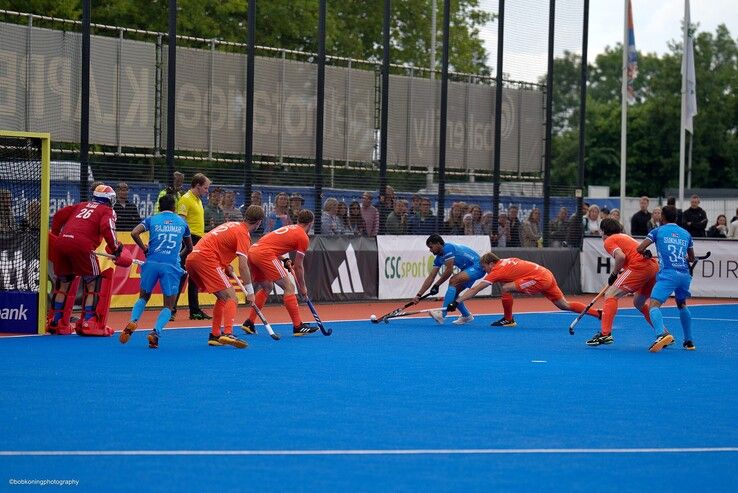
<point x="117" y="91"/>
<point x="171" y="88"/>
<point x="347" y="115"/>
<point x="384" y="120"/>
<point x="444" y="116"/>
<point x="283" y="78"/>
<point x="549" y="123"/>
<point x="28" y="73"/>
<point x="409" y="120"/>
<point x="319" y="114"/>
<point x="84" y="124"/>
<point x="249" y="133"/>
<point x="498" y="118"/>
<point x="211" y="85"/>
<point x="582" y="121"/>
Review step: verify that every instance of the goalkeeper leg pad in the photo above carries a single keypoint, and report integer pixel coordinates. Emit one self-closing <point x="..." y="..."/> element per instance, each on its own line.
<point x="63" y="325"/>
<point x="102" y="292"/>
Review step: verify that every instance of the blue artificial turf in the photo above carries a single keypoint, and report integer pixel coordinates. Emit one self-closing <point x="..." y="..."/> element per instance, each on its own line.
<point x="410" y="384"/>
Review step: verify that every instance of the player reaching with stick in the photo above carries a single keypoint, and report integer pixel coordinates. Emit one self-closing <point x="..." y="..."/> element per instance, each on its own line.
<point x="167" y="232"/>
<point x="448" y="256"/>
<point x="520" y="276"/>
<point x="76" y="232"/>
<point x="674" y="247"/>
<point x="270" y="263"/>
<point x="637" y="278"/>
<point x="209" y="266"/>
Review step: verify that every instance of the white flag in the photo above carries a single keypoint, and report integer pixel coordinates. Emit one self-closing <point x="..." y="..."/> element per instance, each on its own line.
<point x="688" y="75"/>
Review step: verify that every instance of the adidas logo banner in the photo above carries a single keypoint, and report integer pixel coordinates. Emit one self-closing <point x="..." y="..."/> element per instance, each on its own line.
<point x="342" y="268"/>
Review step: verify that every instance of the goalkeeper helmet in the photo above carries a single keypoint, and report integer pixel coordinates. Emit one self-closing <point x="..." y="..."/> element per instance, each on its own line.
<point x="104" y="194"/>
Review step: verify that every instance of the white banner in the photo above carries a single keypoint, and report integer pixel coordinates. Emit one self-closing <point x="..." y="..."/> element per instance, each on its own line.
<point x="405" y="262"/>
<point x="716" y="277"/>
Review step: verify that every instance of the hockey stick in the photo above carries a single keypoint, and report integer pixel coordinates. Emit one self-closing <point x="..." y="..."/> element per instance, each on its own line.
<point x="112" y="257"/>
<point x="410" y="313"/>
<point x="591" y="304"/>
<point x="269" y="329"/>
<point x="394" y="313"/>
<point x="326" y="332"/>
<point x="697" y="259"/>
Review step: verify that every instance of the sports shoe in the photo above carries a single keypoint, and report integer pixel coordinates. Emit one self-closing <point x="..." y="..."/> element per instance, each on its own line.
<point x="463" y="320"/>
<point x="153" y="339"/>
<point x="232" y="340"/>
<point x="214" y="340"/>
<point x="600" y="338"/>
<point x="661" y="342"/>
<point x="201" y="315"/>
<point x="503" y="322"/>
<point x="248" y="327"/>
<point x="303" y="330"/>
<point x="437" y="315"/>
<point x="126" y="333"/>
<point x="689" y="346"/>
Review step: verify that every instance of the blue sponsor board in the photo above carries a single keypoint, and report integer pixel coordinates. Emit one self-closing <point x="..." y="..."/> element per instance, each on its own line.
<point x="19" y="312"/>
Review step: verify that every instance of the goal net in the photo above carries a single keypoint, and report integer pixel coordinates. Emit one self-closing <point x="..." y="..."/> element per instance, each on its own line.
<point x="24" y="225"/>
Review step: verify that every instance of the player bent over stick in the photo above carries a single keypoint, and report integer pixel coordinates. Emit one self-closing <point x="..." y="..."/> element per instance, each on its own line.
<point x="638" y="277"/>
<point x="674" y="247"/>
<point x="76" y="233"/>
<point x="269" y="262"/>
<point x="167" y="232"/>
<point x="520" y="276"/>
<point x="449" y="255"/>
<point x="209" y="266"/>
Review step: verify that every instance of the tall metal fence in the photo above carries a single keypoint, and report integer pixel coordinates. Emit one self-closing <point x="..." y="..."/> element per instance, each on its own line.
<point x="41" y="90"/>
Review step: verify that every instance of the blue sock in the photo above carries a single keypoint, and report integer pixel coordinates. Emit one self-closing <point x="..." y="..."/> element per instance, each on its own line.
<point x="162" y="320"/>
<point x="89" y="312"/>
<point x="138" y="308"/>
<point x="449" y="297"/>
<point x="464" y="310"/>
<point x="686" y="318"/>
<point x="657" y="319"/>
<point x="58" y="307"/>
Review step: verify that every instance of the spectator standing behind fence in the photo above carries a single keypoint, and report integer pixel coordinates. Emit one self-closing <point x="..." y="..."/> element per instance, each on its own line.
<point x="615" y="214"/>
<point x="255" y="200"/>
<point x="415" y="206"/>
<point x="695" y="218"/>
<point x="734" y="217"/>
<point x="504" y="236"/>
<point x="680" y="219"/>
<point x="476" y="213"/>
<point x="280" y="213"/>
<point x="228" y="206"/>
<point x="604" y="213"/>
<point x="512" y="216"/>
<point x="331" y="224"/>
<point x="342" y="213"/>
<point x="356" y="220"/>
<point x="175" y="189"/>
<point x="558" y="227"/>
<point x="575" y="231"/>
<point x="398" y="220"/>
<point x="639" y="221"/>
<point x="720" y="228"/>
<point x="733" y="228"/>
<point x="591" y="222"/>
<point x="213" y="212"/>
<point x="386" y="204"/>
<point x="296" y="202"/>
<point x="655" y="220"/>
<point x="423" y="223"/>
<point x="370" y="214"/>
<point x="7" y="220"/>
<point x="530" y="231"/>
<point x="32" y="221"/>
<point x="454" y="225"/>
<point x="127" y="216"/>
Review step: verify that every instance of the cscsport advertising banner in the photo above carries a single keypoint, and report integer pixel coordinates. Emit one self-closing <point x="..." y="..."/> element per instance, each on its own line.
<point x="405" y="262"/>
<point x="716" y="277"/>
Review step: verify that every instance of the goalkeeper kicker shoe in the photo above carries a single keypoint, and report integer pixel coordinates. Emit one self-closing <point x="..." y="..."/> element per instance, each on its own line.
<point x="437" y="315"/>
<point x="249" y="327"/>
<point x="503" y="322"/>
<point x="303" y="330"/>
<point x="661" y="342"/>
<point x="127" y="332"/>
<point x="600" y="338"/>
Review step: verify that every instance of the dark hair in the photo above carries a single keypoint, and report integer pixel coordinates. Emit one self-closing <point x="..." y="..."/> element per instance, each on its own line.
<point x="305" y="216"/>
<point x="253" y="214"/>
<point x="671" y="201"/>
<point x="435" y="239"/>
<point x="669" y="214"/>
<point x="199" y="179"/>
<point x="610" y="226"/>
<point x="167" y="202"/>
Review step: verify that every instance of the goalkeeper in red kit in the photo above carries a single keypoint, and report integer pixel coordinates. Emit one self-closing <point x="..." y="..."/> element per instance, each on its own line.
<point x="76" y="232"/>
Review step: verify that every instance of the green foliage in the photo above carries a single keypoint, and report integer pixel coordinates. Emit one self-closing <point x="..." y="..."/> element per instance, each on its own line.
<point x="653" y="121"/>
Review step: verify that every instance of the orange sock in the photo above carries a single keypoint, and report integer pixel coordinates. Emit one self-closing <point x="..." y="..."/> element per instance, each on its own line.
<point x="579" y="308"/>
<point x="229" y="313"/>
<point x="260" y="299"/>
<point x="647" y="315"/>
<point x="217" y="317"/>
<point x="290" y="302"/>
<point x="507" y="304"/>
<point x="608" y="315"/>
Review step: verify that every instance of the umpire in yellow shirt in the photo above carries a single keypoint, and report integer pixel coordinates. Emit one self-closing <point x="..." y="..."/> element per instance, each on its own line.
<point x="191" y="209"/>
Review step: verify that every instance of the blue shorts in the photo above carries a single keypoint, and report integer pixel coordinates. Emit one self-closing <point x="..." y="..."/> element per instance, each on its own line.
<point x="475" y="273"/>
<point x="671" y="281"/>
<point x="168" y="276"/>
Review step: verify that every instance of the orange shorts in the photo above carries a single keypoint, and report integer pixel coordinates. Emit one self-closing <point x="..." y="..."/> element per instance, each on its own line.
<point x="638" y="281"/>
<point x="544" y="284"/>
<point x="266" y="267"/>
<point x="208" y="275"/>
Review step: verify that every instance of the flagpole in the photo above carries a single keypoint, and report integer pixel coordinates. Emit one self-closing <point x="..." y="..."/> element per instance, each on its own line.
<point x="624" y="110"/>
<point x="682" y="139"/>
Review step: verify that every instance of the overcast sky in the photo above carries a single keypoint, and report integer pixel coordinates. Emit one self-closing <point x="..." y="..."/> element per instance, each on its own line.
<point x="656" y="22"/>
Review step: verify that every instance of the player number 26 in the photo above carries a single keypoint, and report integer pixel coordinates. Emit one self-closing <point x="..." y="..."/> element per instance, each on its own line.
<point x="84" y="214"/>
